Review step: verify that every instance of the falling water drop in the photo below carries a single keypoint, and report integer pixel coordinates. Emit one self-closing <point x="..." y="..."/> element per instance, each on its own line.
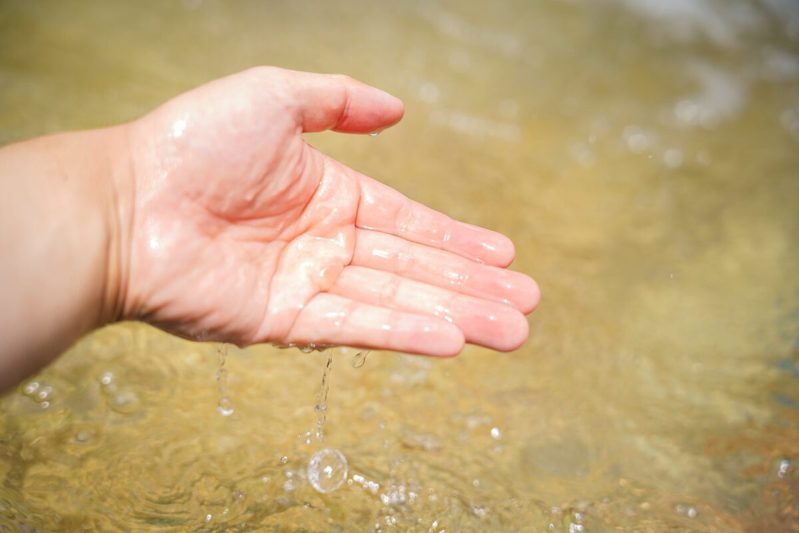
<point x="224" y="406"/>
<point x="360" y="359"/>
<point x="321" y="402"/>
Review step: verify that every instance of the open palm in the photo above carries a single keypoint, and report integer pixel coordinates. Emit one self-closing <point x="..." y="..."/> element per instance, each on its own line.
<point x="243" y="232"/>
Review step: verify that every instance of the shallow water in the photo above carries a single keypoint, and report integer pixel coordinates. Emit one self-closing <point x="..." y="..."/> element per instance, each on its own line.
<point x="644" y="157"/>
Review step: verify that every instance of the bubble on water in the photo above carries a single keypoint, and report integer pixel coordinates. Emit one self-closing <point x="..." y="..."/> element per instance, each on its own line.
<point x="44" y="393"/>
<point x="40" y="393"/>
<point x="30" y="388"/>
<point x="327" y="470"/>
<point x="479" y="511"/>
<point x="126" y="402"/>
<point x="367" y="484"/>
<point x="107" y="378"/>
<point x="686" y="510"/>
<point x="284" y="459"/>
<point x="782" y="468"/>
<point x="496" y="433"/>
<point x="397" y="495"/>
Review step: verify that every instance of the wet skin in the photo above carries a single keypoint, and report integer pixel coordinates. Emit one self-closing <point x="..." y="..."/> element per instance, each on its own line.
<point x="243" y="232"/>
<point x="212" y="218"/>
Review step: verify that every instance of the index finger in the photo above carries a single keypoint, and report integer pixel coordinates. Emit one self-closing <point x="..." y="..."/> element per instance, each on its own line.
<point x="389" y="211"/>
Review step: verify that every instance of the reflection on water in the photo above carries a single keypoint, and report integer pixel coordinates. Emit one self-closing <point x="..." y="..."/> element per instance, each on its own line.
<point x="642" y="155"/>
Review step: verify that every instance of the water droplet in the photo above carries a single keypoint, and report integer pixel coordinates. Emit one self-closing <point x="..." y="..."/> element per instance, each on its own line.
<point x="284" y="460"/>
<point x="687" y="510"/>
<point x="321" y="402"/>
<point x="126" y="402"/>
<point x="496" y="433"/>
<point x="479" y="511"/>
<point x="31" y="388"/>
<point x="327" y="470"/>
<point x="107" y="378"/>
<point x="224" y="407"/>
<point x="44" y="393"/>
<point x="374" y="134"/>
<point x="782" y="468"/>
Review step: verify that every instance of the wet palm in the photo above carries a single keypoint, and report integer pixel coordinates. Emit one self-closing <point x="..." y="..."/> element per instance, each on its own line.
<point x="243" y="232"/>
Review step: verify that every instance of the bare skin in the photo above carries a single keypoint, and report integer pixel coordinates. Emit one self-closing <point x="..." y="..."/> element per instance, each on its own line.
<point x="212" y="218"/>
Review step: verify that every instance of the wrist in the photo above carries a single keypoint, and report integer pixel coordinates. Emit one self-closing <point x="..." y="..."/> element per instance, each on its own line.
<point x="64" y="203"/>
<point x="117" y="178"/>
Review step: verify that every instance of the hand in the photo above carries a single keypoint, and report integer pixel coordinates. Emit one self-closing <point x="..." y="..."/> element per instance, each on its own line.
<point x="240" y="231"/>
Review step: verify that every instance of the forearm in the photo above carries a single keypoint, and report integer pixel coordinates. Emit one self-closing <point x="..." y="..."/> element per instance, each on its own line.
<point x="60" y="233"/>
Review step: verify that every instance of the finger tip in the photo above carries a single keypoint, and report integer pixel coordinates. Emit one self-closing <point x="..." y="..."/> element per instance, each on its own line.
<point x="452" y="341"/>
<point x="506" y="251"/>
<point x="498" y="250"/>
<point x="380" y="110"/>
<point x="530" y="296"/>
<point x="393" y="106"/>
<point x="515" y="331"/>
<point x="446" y="340"/>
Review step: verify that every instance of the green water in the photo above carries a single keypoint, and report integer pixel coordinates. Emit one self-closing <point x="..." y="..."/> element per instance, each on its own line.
<point x="643" y="156"/>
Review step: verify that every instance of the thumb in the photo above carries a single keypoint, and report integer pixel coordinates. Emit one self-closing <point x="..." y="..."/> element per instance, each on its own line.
<point x="340" y="103"/>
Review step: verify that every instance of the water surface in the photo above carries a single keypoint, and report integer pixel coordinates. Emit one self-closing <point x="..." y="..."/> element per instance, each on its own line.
<point x="644" y="157"/>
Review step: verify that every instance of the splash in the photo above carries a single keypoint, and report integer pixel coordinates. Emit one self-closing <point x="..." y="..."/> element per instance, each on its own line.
<point x="327" y="470"/>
